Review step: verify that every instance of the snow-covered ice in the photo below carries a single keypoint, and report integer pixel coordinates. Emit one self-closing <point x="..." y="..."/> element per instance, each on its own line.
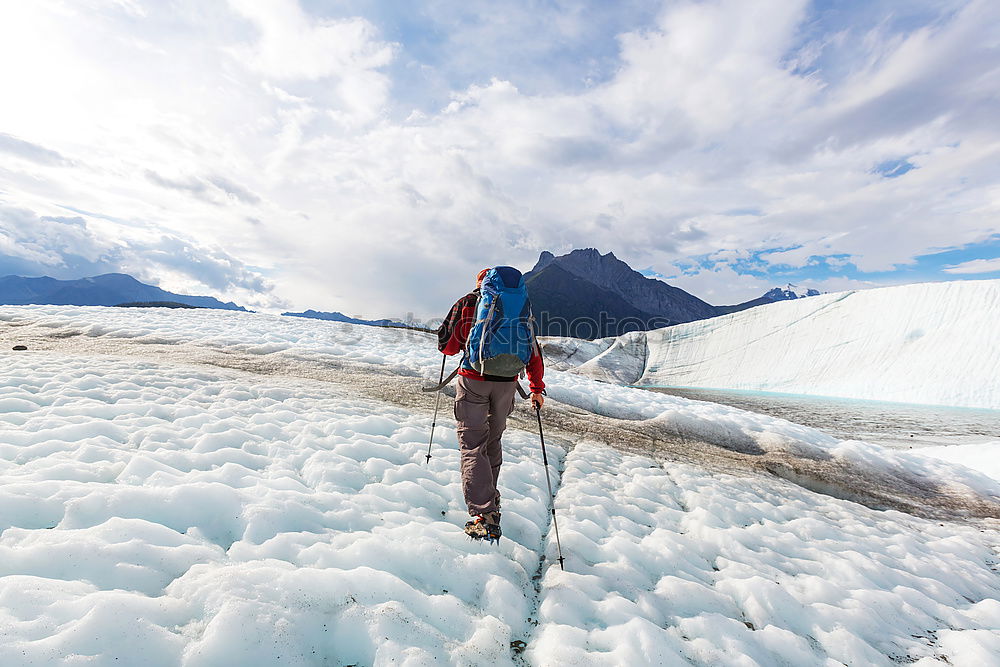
<point x="981" y="456"/>
<point x="739" y="430"/>
<point x="277" y="342"/>
<point x="158" y="509"/>
<point x="244" y="523"/>
<point x="674" y="566"/>
<point x="932" y="343"/>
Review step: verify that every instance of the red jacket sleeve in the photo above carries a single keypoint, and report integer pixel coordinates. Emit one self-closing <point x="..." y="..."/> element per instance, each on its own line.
<point x="536" y="370"/>
<point x="454" y="331"/>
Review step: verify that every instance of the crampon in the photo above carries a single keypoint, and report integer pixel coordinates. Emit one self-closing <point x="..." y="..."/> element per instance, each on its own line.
<point x="485" y="527"/>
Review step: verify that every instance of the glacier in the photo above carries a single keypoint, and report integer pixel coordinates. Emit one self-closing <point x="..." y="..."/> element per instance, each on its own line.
<point x="214" y="488"/>
<point x="928" y="343"/>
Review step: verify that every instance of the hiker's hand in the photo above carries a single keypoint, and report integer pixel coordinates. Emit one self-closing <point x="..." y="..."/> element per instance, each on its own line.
<point x="537" y="400"/>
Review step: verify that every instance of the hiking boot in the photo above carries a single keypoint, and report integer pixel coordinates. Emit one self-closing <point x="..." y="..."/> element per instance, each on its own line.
<point x="484" y="526"/>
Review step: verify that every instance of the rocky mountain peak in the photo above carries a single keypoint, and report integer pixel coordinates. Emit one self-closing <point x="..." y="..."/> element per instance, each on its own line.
<point x="544" y="260"/>
<point x="612" y="286"/>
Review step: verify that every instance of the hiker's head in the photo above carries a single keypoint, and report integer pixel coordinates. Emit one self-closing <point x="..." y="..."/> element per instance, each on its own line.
<point x="479" y="278"/>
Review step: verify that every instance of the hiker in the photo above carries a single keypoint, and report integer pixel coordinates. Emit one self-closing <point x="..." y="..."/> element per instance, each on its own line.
<point x="492" y="326"/>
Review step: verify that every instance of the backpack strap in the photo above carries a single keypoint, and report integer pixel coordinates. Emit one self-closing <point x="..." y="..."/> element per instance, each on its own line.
<point x="444" y="383"/>
<point x="482" y="338"/>
<point x="531" y="329"/>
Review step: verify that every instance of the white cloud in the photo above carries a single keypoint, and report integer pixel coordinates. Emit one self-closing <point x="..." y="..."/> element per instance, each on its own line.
<point x="975" y="266"/>
<point x="721" y="285"/>
<point x="709" y="68"/>
<point x="292" y="46"/>
<point x="29" y="151"/>
<point x="813" y="252"/>
<point x="278" y="135"/>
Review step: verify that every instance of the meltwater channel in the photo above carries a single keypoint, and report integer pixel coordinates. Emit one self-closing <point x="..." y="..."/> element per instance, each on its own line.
<point x="898" y="425"/>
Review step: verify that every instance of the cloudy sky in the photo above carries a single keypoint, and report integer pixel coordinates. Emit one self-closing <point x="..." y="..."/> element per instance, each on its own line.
<point x="370" y="157"/>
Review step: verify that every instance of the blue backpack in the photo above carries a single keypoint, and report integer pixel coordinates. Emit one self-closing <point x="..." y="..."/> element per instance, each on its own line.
<point x="502" y="337"/>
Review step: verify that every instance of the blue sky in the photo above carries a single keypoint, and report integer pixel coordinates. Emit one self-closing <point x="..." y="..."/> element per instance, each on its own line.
<point x="369" y="157"/>
<point x="977" y="260"/>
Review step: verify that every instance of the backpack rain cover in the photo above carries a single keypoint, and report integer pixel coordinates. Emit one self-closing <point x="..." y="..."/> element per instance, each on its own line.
<point x="502" y="337"/>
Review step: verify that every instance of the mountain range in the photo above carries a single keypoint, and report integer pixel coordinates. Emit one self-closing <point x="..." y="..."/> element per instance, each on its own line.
<point x="109" y="289"/>
<point x="585" y="294"/>
<point x="337" y="316"/>
<point x="582" y="294"/>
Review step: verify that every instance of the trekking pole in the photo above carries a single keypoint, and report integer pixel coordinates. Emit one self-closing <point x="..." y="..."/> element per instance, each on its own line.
<point x="437" y="403"/>
<point x="552" y="498"/>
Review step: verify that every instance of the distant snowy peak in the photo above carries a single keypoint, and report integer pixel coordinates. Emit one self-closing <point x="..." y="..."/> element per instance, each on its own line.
<point x="789" y="292"/>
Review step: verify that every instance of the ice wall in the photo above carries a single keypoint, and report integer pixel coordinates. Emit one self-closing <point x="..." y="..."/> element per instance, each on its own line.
<point x="932" y="343"/>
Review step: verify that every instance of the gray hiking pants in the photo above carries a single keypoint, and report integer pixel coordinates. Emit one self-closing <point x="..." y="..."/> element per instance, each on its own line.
<point x="481" y="409"/>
